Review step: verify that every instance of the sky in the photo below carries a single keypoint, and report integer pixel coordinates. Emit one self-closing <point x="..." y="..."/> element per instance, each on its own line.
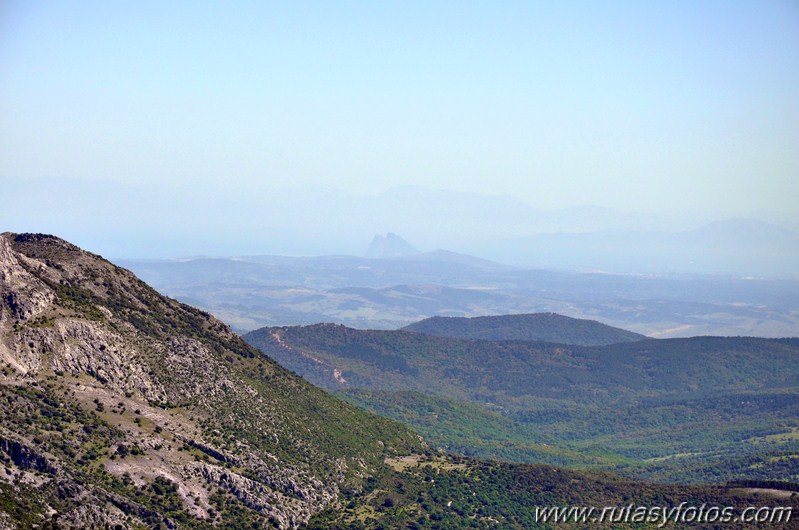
<point x="674" y="106"/>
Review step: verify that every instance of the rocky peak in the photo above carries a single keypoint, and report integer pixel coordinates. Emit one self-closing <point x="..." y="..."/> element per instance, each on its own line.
<point x="390" y="246"/>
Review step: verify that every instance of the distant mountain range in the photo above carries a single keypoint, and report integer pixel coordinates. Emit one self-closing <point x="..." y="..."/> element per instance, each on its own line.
<point x="310" y="222"/>
<point x="542" y="327"/>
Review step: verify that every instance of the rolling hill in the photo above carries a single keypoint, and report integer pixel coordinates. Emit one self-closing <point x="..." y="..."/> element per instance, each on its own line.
<point x="697" y="409"/>
<point x="542" y="327"/>
<point x="250" y="292"/>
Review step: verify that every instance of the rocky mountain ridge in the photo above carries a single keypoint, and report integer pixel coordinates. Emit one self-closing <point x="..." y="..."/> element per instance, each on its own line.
<point x="389" y="246"/>
<point x="122" y="407"/>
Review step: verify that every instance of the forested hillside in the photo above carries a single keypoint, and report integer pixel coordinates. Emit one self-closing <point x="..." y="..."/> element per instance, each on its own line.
<point x="543" y="327"/>
<point x="699" y="409"/>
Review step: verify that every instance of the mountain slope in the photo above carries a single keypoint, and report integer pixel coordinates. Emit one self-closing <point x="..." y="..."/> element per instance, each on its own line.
<point x="121" y="406"/>
<point x="545" y="327"/>
<point x="403" y="360"/>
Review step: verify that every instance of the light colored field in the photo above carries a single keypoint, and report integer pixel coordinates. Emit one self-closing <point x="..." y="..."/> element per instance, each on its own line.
<point x="404" y="463"/>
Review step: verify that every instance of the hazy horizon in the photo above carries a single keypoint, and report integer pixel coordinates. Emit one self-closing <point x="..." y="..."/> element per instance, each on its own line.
<point x="179" y="223"/>
<point x="166" y="130"/>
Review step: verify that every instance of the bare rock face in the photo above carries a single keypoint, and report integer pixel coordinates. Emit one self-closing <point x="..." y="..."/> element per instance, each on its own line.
<point x="25" y="457"/>
<point x="118" y="406"/>
<point x="93" y="516"/>
<point x="25" y="296"/>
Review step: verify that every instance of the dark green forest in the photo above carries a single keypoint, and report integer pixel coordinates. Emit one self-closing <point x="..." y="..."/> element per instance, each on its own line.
<point x="544" y="327"/>
<point x="698" y="410"/>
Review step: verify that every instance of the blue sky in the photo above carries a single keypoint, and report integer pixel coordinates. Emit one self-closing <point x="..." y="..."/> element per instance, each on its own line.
<point x="640" y="106"/>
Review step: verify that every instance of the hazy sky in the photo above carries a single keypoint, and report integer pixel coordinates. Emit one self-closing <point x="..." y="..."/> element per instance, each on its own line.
<point x="641" y="106"/>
